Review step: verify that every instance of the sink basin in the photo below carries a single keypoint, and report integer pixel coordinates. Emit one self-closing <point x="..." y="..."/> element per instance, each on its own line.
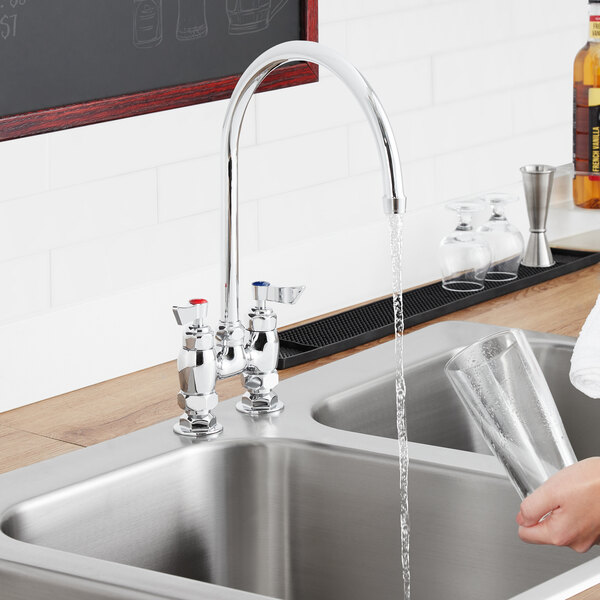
<point x="279" y="507"/>
<point x="435" y="414"/>
<point x="298" y="521"/>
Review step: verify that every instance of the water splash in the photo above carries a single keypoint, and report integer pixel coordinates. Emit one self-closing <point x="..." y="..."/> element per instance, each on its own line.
<point x="396" y="228"/>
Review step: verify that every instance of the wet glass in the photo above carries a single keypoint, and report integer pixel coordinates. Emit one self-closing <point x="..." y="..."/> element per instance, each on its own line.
<point x="501" y="384"/>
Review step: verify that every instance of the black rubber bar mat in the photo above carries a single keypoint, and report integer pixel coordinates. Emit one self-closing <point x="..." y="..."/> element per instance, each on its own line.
<point x="376" y="320"/>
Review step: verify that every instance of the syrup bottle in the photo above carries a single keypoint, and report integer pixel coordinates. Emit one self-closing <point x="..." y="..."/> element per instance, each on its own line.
<point x="586" y="117"/>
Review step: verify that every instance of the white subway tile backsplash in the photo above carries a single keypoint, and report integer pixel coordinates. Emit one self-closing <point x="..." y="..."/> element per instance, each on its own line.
<point x="419" y="183"/>
<point x="427" y="30"/>
<point x="467" y="73"/>
<point x="76" y="214"/>
<point x="342" y="10"/>
<point x="26" y="288"/>
<point x="540" y="16"/>
<point x="188" y="188"/>
<point x="315" y="211"/>
<point x="543" y="57"/>
<point x="437" y="130"/>
<point x="389" y="38"/>
<point x="293" y="164"/>
<point x="452" y="174"/>
<point x="463" y="124"/>
<point x="294" y="111"/>
<point x="551" y="146"/>
<point x="337" y="206"/>
<point x="497" y="164"/>
<point x="299" y="110"/>
<point x="543" y="105"/>
<point x="85" y="271"/>
<point x="333" y="35"/>
<point x="402" y="86"/>
<point x="23" y="167"/>
<point x="139" y="143"/>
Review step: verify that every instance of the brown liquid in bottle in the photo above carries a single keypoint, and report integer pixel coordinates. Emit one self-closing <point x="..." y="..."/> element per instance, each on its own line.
<point x="586" y="188"/>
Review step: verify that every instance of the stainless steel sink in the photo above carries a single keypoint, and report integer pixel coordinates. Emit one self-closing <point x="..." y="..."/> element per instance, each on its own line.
<point x="277" y="507"/>
<point x="435" y="414"/>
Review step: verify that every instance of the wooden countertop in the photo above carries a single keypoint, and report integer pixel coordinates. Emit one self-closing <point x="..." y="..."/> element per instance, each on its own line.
<point x="116" y="407"/>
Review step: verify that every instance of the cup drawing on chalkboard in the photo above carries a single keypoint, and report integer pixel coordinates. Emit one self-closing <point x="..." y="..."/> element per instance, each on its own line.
<point x="191" y="20"/>
<point x="248" y="16"/>
<point x="147" y="23"/>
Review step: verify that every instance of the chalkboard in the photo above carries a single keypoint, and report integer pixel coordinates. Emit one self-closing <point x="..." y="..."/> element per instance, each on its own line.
<point x="71" y="62"/>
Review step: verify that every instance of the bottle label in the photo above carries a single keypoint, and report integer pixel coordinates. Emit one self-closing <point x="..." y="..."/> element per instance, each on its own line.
<point x="595" y="27"/>
<point x="594" y="136"/>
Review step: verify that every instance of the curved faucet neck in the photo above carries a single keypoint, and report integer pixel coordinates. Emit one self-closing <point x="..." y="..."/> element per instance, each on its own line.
<point x="272" y="59"/>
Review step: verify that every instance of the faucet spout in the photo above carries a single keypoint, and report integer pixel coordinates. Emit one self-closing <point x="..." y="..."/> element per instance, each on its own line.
<point x="394" y="201"/>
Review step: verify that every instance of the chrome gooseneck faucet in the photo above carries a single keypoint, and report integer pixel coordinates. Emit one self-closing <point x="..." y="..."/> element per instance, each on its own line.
<point x="253" y="352"/>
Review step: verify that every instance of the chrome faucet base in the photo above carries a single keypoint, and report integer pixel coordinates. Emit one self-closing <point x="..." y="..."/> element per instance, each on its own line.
<point x="197" y="427"/>
<point x="259" y="406"/>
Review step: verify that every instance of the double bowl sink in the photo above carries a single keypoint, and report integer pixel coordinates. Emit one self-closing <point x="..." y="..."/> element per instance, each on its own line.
<point x="303" y="505"/>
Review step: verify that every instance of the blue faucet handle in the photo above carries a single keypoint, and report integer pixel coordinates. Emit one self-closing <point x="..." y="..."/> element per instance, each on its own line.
<point x="264" y="291"/>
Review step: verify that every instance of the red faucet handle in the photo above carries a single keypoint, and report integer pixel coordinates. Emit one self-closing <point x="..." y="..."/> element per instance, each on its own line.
<point x="194" y="313"/>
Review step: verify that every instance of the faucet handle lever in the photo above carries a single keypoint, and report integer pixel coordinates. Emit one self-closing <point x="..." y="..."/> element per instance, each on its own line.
<point x="264" y="291"/>
<point x="194" y="313"/>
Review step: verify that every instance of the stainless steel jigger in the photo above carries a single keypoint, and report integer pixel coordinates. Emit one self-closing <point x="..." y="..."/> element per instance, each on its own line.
<point x="538" y="180"/>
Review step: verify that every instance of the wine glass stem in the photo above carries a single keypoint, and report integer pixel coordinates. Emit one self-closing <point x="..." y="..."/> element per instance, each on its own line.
<point x="498" y="213"/>
<point x="464" y="222"/>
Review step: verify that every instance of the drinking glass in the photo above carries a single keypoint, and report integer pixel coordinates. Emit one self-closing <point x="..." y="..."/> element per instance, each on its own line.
<point x="465" y="255"/>
<point x="505" y="240"/>
<point x="502" y="386"/>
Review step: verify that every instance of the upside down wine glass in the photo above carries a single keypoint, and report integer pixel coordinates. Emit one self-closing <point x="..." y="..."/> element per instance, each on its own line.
<point x="465" y="255"/>
<point x="504" y="239"/>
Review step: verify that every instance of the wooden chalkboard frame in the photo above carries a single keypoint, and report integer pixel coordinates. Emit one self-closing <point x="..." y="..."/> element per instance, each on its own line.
<point x="118" y="107"/>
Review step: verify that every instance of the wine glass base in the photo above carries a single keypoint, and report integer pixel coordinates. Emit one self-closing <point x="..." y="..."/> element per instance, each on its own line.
<point x="462" y="286"/>
<point x="500" y="276"/>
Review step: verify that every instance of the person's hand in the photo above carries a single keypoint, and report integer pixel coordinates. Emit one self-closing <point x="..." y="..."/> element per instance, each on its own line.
<point x="573" y="496"/>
